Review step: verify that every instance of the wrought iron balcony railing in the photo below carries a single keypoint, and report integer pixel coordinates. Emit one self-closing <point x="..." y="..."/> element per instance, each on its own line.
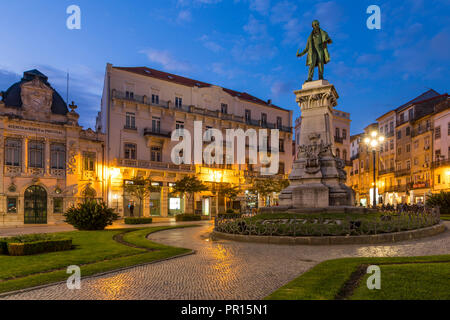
<point x="202" y="111"/>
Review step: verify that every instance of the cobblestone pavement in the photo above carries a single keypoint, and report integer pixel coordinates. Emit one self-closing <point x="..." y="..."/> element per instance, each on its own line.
<point x="31" y="229"/>
<point x="224" y="269"/>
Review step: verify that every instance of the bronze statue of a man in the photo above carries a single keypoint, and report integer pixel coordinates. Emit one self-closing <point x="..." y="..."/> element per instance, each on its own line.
<point x="316" y="47"/>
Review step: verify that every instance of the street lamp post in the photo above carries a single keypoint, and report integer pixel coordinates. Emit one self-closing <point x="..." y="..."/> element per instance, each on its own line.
<point x="372" y="141"/>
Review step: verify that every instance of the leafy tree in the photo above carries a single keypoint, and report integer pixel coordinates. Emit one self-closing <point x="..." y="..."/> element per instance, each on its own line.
<point x="265" y="187"/>
<point x="90" y="215"/>
<point x="189" y="185"/>
<point x="140" y="188"/>
<point x="441" y="200"/>
<point x="228" y="191"/>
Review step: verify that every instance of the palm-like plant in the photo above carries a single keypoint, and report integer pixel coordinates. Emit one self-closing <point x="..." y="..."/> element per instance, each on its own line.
<point x="441" y="200"/>
<point x="189" y="185"/>
<point x="140" y="188"/>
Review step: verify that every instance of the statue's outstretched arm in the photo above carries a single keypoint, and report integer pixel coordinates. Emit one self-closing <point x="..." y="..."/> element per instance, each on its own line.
<point x="303" y="52"/>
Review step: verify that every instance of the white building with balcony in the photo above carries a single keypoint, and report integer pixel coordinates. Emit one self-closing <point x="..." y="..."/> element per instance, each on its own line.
<point x="140" y="109"/>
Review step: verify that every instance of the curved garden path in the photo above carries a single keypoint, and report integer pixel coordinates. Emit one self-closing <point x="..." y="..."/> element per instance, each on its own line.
<point x="224" y="269"/>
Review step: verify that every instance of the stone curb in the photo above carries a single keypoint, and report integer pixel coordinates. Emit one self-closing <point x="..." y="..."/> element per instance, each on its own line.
<point x="11" y="293"/>
<point x="336" y="240"/>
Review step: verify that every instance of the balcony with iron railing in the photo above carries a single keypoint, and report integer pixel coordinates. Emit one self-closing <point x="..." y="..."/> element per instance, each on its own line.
<point x="403" y="172"/>
<point x="419" y="131"/>
<point x="396" y="188"/>
<point x="196" y="110"/>
<point x="440" y="163"/>
<point x="338" y="139"/>
<point x="157" y="132"/>
<point x="386" y="171"/>
<point x="147" y="164"/>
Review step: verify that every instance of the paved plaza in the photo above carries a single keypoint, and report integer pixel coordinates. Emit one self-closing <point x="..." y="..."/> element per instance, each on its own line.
<point x="224" y="269"/>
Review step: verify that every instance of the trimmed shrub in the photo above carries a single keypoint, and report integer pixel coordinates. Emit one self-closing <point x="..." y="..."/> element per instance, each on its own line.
<point x="90" y="215"/>
<point x="131" y="220"/>
<point x="441" y="200"/>
<point x="229" y="210"/>
<point x="229" y="215"/>
<point x="3" y="247"/>
<point x="29" y="248"/>
<point x="188" y="217"/>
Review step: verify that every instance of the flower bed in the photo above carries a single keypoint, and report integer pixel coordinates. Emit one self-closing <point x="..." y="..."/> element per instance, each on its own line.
<point x="320" y="226"/>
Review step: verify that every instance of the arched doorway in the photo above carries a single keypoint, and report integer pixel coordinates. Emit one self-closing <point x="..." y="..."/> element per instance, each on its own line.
<point x="35" y="205"/>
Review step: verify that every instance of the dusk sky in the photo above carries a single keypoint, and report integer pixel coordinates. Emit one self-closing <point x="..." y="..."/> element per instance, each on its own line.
<point x="245" y="45"/>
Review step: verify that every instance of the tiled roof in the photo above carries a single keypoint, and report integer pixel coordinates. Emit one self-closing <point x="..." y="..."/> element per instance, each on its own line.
<point x="424" y="96"/>
<point x="161" y="75"/>
<point x="430" y="94"/>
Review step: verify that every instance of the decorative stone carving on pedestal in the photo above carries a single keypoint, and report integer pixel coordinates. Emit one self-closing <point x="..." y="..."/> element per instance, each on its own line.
<point x="317" y="177"/>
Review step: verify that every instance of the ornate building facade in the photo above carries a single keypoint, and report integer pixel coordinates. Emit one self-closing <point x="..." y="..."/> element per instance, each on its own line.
<point x="412" y="162"/>
<point x="140" y="109"/>
<point x="48" y="161"/>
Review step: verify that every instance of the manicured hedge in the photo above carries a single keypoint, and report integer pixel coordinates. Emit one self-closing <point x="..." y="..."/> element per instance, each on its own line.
<point x="3" y="247"/>
<point x="229" y="215"/>
<point x="188" y="217"/>
<point x="29" y="248"/>
<point x="131" y="220"/>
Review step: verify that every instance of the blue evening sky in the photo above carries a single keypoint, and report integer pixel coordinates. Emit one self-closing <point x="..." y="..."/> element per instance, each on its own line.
<point x="246" y="45"/>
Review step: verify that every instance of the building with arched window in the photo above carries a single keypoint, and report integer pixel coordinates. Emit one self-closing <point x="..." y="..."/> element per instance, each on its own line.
<point x="48" y="162"/>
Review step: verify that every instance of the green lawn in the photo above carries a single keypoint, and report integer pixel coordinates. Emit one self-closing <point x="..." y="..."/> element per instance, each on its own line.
<point x="422" y="281"/>
<point x="445" y="217"/>
<point x="413" y="280"/>
<point x="95" y="252"/>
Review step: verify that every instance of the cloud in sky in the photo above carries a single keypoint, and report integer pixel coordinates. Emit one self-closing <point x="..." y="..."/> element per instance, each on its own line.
<point x="210" y="44"/>
<point x="281" y="87"/>
<point x="329" y="14"/>
<point x="252" y="53"/>
<point x="223" y="70"/>
<point x="261" y="6"/>
<point x="256" y="28"/>
<point x="165" y="59"/>
<point x="186" y="3"/>
<point x="184" y="16"/>
<point x="284" y="13"/>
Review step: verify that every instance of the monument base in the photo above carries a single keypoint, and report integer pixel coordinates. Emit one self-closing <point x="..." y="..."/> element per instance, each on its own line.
<point x="317" y="177"/>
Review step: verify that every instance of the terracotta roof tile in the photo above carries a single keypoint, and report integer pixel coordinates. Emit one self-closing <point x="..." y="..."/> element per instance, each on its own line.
<point x="148" y="72"/>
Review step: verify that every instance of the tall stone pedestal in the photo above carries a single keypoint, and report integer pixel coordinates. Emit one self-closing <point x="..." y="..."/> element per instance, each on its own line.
<point x="317" y="177"/>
